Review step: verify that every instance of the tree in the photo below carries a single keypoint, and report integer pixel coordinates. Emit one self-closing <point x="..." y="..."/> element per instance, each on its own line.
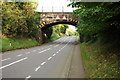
<point x="19" y="19"/>
<point x="99" y="21"/>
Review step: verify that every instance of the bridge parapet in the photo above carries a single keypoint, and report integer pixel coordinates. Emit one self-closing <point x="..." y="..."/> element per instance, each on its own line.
<point x="53" y="17"/>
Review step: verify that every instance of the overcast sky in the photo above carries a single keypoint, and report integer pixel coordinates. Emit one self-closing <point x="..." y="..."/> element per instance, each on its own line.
<point x="56" y="4"/>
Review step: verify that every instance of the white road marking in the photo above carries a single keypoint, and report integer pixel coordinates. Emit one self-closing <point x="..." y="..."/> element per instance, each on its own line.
<point x="43" y="63"/>
<point x="40" y="51"/>
<point x="19" y="55"/>
<point x="13" y="63"/>
<point x="44" y="50"/>
<point x="61" y="48"/>
<point x="27" y="52"/>
<point x="5" y="59"/>
<point x="49" y="58"/>
<point x="56" y="45"/>
<point x="28" y="77"/>
<point x="54" y="54"/>
<point x="37" y="68"/>
<point x="57" y="52"/>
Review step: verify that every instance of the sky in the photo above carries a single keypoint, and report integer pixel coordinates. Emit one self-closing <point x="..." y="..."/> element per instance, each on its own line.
<point x="56" y="4"/>
<point x="72" y="27"/>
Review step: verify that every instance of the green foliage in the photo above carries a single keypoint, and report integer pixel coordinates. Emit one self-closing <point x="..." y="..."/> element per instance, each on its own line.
<point x="54" y="32"/>
<point x="99" y="21"/>
<point x="69" y="32"/>
<point x="99" y="65"/>
<point x="54" y="36"/>
<point x="17" y="43"/>
<point x="58" y="31"/>
<point x="19" y="19"/>
<point x="61" y="28"/>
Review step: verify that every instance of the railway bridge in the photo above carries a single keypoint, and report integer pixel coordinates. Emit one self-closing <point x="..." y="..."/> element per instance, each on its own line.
<point x="53" y="17"/>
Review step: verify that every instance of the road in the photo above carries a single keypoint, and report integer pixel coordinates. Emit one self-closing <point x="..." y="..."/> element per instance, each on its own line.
<point x="51" y="60"/>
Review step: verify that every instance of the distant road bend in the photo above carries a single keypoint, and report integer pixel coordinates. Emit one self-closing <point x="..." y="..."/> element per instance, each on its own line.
<point x="51" y="60"/>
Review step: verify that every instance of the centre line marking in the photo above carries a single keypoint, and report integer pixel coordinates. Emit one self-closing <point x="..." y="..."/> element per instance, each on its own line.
<point x="43" y="63"/>
<point x="49" y="58"/>
<point x="44" y="50"/>
<point x="56" y="45"/>
<point x="28" y="77"/>
<point x="37" y="68"/>
<point x="57" y="52"/>
<point x="54" y="54"/>
<point x="19" y="55"/>
<point x="13" y="63"/>
<point x="5" y="59"/>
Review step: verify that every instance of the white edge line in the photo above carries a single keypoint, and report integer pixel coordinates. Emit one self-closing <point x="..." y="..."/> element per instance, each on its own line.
<point x="13" y="63"/>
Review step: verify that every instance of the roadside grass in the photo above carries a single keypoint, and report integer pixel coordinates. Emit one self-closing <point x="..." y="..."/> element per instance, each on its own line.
<point x="55" y="36"/>
<point x="98" y="63"/>
<point x="7" y="44"/>
<point x="17" y="43"/>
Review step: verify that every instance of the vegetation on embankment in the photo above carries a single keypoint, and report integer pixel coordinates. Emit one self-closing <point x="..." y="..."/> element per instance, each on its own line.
<point x="55" y="32"/>
<point x="55" y="36"/>
<point x="19" y="19"/>
<point x="61" y="30"/>
<point x="71" y="32"/>
<point x="19" y="25"/>
<point x="17" y="43"/>
<point x="98" y="62"/>
<point x="99" y="25"/>
<point x="99" y="21"/>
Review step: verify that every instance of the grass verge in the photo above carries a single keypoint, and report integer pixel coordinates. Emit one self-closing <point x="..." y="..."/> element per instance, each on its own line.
<point x="99" y="64"/>
<point x="17" y="43"/>
<point x="55" y="36"/>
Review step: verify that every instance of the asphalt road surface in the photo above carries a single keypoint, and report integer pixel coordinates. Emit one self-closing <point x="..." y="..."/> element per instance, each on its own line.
<point x="51" y="60"/>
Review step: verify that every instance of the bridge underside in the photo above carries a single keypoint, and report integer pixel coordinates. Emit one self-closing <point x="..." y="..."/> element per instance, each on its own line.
<point x="61" y="22"/>
<point x="52" y="19"/>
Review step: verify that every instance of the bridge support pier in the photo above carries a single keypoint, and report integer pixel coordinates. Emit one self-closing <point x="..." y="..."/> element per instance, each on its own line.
<point x="81" y="38"/>
<point x="40" y="36"/>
